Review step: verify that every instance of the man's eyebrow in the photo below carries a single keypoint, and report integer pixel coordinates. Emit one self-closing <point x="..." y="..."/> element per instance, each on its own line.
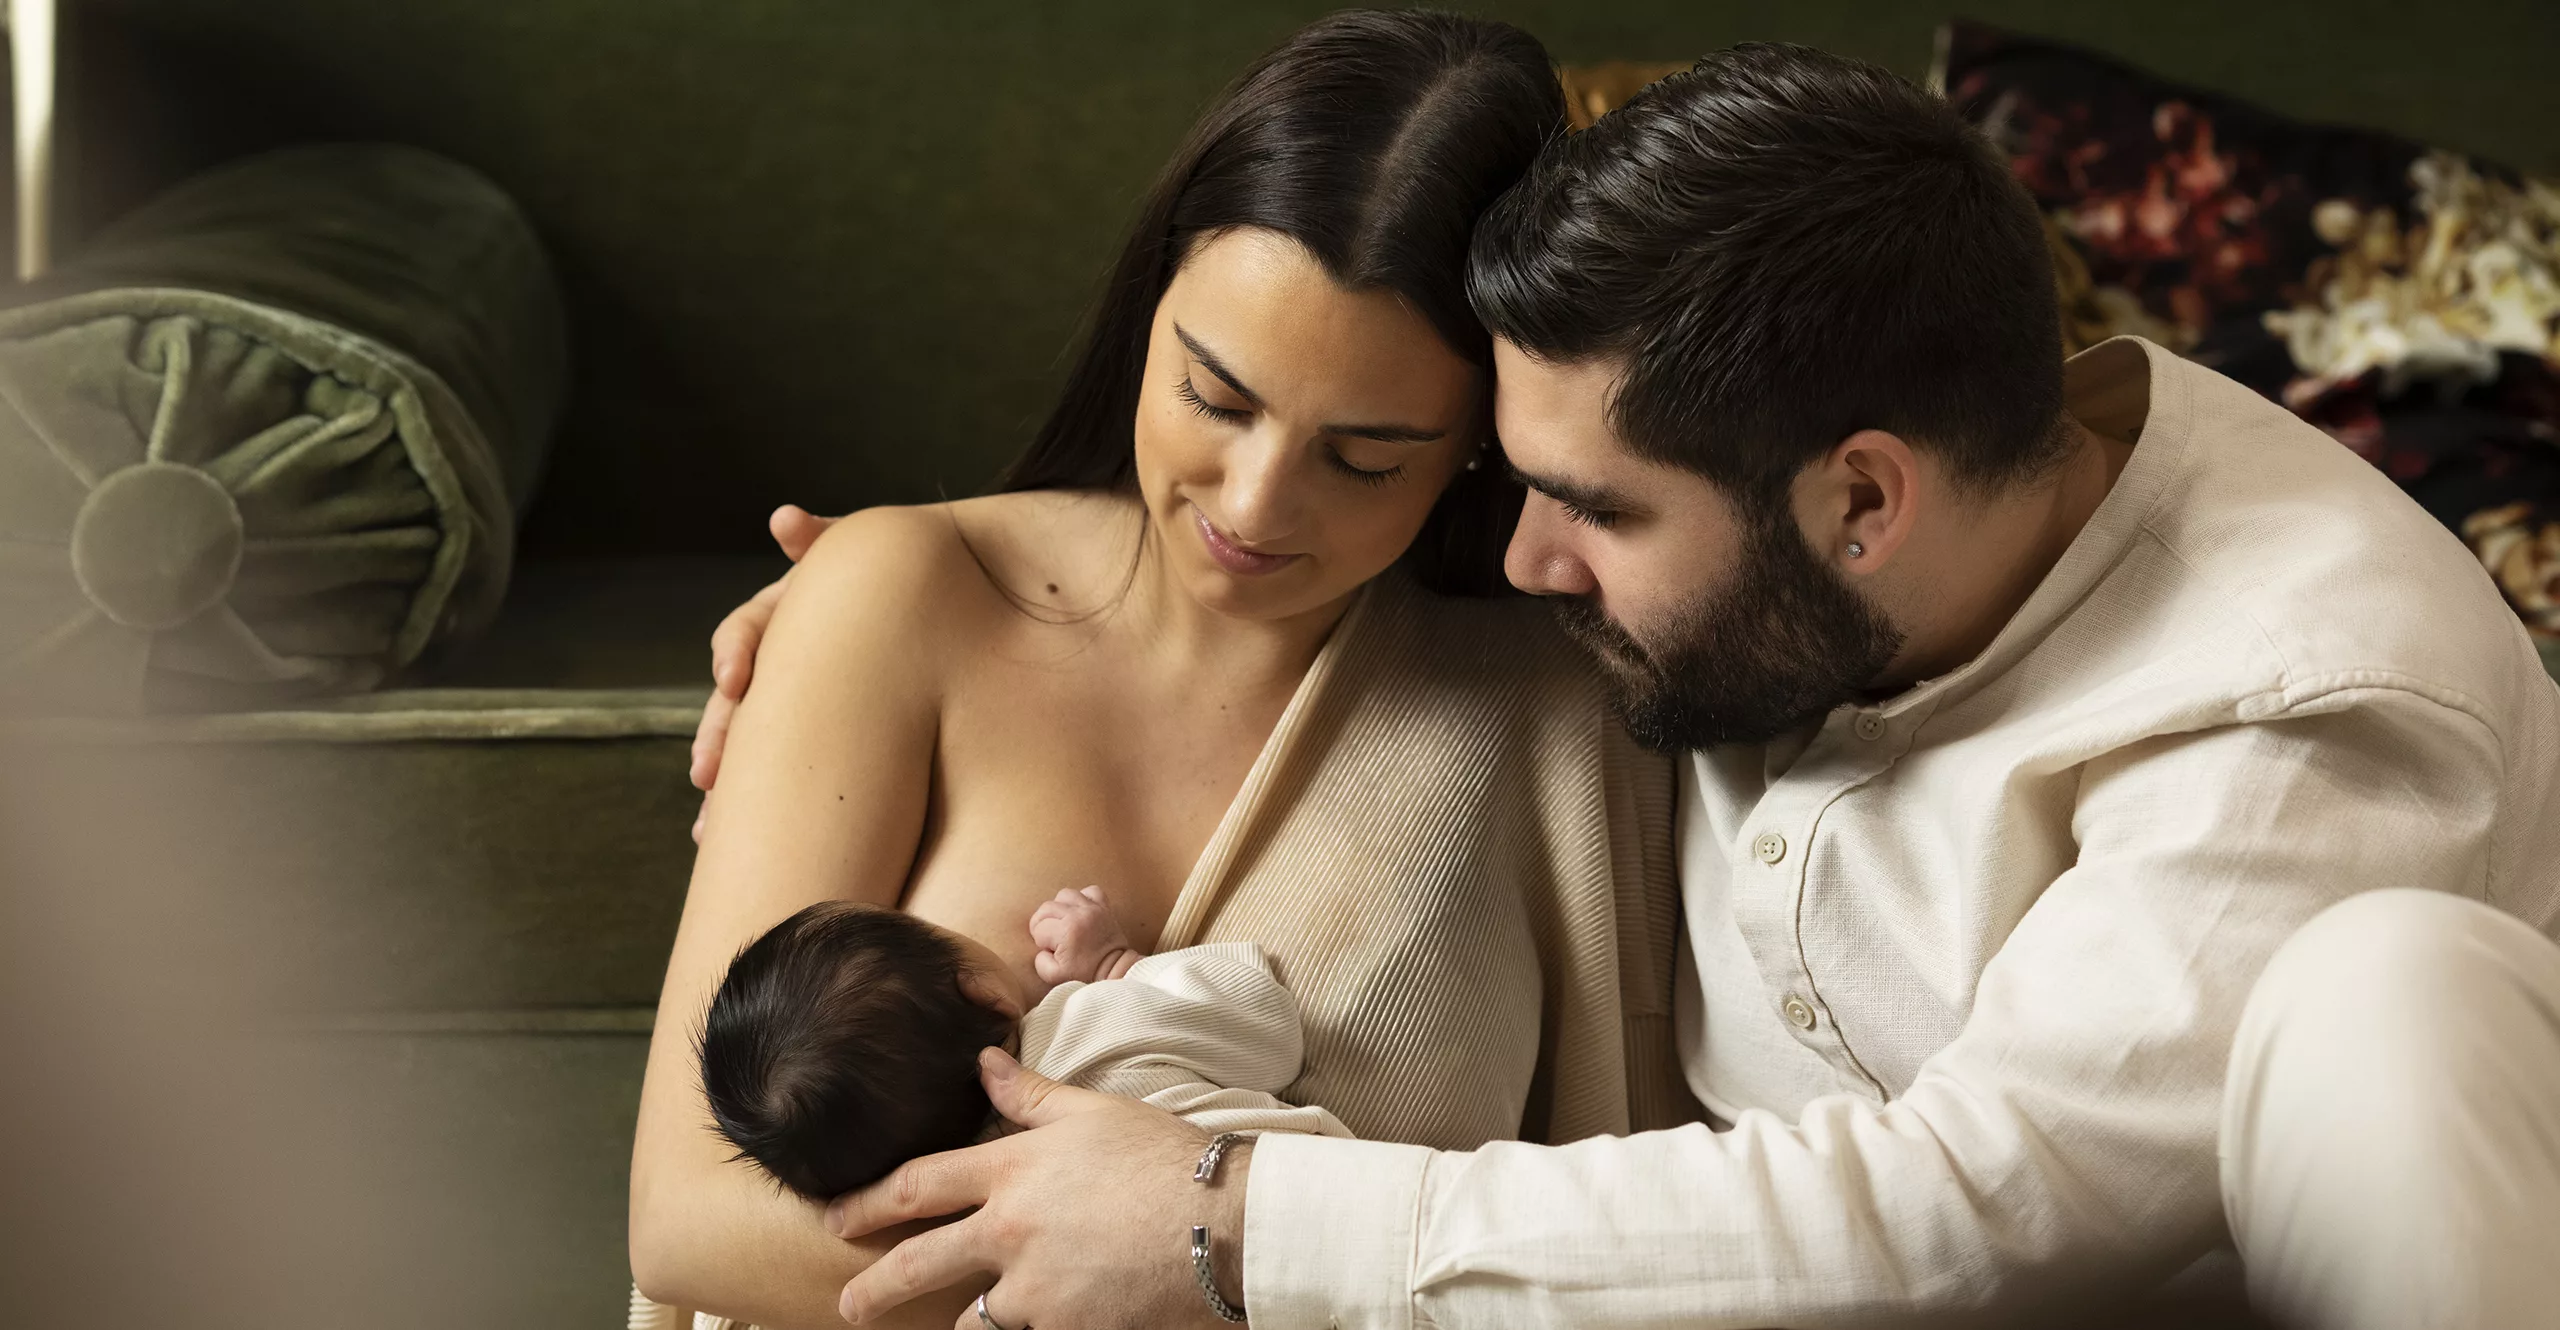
<point x="1382" y="433"/>
<point x="1586" y="497"/>
<point x="1210" y="360"/>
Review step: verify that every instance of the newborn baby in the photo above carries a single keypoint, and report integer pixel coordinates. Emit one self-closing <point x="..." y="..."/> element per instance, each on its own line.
<point x="845" y="1041"/>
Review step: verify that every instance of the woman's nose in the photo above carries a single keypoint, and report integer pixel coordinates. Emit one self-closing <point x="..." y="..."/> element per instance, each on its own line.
<point x="1261" y="489"/>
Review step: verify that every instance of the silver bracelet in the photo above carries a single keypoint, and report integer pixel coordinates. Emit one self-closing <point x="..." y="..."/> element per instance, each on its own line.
<point x="1206" y="1170"/>
<point x="1208" y="1167"/>
<point x="1227" y="1311"/>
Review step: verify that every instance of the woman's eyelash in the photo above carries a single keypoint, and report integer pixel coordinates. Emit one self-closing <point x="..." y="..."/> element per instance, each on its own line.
<point x="1225" y="415"/>
<point x="1588" y="517"/>
<point x="1228" y="415"/>
<point x="1363" y="474"/>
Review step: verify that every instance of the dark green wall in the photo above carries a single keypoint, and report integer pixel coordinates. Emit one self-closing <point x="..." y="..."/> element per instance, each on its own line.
<point x="831" y="251"/>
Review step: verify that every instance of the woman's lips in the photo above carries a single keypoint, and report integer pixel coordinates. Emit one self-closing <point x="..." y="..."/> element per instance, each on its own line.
<point x="1236" y="558"/>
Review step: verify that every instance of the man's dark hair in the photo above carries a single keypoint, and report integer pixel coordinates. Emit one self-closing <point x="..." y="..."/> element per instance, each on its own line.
<point x="1785" y="247"/>
<point x="840" y="1045"/>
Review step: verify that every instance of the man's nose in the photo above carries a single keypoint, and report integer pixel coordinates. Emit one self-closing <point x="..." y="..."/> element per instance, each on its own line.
<point x="1541" y="559"/>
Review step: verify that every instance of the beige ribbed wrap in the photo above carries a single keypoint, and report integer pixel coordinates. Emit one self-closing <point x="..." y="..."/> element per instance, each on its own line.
<point x="1462" y="868"/>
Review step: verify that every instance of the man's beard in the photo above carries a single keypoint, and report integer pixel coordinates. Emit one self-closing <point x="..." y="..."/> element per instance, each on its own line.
<point x="1779" y="646"/>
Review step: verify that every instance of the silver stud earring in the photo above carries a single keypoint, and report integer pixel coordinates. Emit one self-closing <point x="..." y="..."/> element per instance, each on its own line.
<point x="1856" y="550"/>
<point x="1474" y="462"/>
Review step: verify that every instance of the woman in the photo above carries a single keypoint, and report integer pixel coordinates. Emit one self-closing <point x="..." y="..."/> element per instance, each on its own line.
<point x="1197" y="650"/>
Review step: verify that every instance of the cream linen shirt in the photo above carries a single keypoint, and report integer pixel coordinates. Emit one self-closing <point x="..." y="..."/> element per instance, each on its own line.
<point x="1961" y="970"/>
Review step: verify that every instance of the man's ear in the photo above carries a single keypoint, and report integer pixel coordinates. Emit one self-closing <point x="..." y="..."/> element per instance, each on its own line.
<point x="1860" y="501"/>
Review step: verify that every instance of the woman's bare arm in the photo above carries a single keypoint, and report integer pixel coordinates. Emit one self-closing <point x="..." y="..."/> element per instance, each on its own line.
<point x="822" y="795"/>
<point x="734" y="643"/>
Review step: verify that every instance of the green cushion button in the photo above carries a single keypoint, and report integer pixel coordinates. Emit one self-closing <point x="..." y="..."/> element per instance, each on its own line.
<point x="154" y="545"/>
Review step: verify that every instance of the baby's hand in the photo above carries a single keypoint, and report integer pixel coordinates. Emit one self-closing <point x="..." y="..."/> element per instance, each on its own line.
<point x="1079" y="938"/>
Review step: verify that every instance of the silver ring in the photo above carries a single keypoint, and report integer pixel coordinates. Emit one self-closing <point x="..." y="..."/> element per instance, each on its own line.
<point x="984" y="1319"/>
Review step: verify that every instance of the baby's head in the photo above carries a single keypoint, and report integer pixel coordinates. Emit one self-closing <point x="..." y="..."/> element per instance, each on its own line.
<point x="845" y="1042"/>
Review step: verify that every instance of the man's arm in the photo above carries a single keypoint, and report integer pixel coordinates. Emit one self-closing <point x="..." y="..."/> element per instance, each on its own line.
<point x="2065" y="1139"/>
<point x="1085" y="1219"/>
<point x="2063" y="1144"/>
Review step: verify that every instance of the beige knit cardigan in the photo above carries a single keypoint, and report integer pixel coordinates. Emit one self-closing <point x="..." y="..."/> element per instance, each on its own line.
<point x="1463" y="869"/>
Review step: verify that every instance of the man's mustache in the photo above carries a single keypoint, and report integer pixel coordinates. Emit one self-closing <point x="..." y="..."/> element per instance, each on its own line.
<point x="1582" y="619"/>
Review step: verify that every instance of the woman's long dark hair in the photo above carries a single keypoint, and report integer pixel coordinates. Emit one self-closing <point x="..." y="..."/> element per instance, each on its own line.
<point x="1374" y="139"/>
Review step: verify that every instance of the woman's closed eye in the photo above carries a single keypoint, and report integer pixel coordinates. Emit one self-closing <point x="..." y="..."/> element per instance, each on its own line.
<point x="1189" y="392"/>
<point x="1363" y="474"/>
<point x="1224" y="415"/>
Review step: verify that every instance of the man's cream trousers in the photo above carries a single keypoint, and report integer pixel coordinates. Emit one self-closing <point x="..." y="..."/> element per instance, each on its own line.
<point x="2391" y="1130"/>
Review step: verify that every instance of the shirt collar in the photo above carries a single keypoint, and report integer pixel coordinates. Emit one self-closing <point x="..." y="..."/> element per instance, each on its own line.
<point x="2127" y="388"/>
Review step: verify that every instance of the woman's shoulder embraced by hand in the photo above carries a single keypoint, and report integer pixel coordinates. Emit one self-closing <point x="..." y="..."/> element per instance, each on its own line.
<point x="868" y="602"/>
<point x="884" y="563"/>
<point x="932" y="577"/>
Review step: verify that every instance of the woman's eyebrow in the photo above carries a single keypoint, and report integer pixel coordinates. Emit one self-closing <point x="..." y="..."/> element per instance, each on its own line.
<point x="1382" y="433"/>
<point x="1388" y="433"/>
<point x="1209" y="359"/>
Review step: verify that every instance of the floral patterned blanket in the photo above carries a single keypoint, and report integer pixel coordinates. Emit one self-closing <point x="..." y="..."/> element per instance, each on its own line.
<point x="2405" y="300"/>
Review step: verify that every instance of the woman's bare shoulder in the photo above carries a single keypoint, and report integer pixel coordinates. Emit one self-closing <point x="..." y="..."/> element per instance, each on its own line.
<point x="887" y="558"/>
<point x="951" y="573"/>
<point x="1064" y="550"/>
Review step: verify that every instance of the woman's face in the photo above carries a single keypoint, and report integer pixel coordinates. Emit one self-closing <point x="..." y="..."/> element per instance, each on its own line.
<point x="1292" y="435"/>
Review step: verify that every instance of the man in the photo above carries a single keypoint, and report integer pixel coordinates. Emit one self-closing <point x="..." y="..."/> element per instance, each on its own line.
<point x="2028" y="710"/>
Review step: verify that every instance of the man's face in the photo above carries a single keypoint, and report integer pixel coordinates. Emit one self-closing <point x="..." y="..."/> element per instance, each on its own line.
<point x="1717" y="623"/>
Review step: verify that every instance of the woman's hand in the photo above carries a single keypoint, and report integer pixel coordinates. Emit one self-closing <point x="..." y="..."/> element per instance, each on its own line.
<point x="1085" y="1220"/>
<point x="734" y="643"/>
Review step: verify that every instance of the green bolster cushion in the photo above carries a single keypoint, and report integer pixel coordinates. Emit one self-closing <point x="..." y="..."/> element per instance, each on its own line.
<point x="268" y="437"/>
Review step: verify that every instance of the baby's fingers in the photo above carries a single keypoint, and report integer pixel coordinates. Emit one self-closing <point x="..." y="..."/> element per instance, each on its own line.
<point x="1045" y="963"/>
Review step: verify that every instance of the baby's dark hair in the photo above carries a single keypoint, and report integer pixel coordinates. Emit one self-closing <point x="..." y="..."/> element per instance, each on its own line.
<point x="840" y="1045"/>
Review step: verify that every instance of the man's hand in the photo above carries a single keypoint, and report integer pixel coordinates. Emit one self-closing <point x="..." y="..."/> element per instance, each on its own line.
<point x="1085" y="1220"/>
<point x="1079" y="938"/>
<point x="734" y="643"/>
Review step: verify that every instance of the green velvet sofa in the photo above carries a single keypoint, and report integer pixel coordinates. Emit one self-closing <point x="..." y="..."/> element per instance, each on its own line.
<point x="814" y="251"/>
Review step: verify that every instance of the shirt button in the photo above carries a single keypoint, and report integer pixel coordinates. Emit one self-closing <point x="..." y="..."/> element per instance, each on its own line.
<point x="1799" y="1012"/>
<point x="1771" y="847"/>
<point x="1869" y="725"/>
